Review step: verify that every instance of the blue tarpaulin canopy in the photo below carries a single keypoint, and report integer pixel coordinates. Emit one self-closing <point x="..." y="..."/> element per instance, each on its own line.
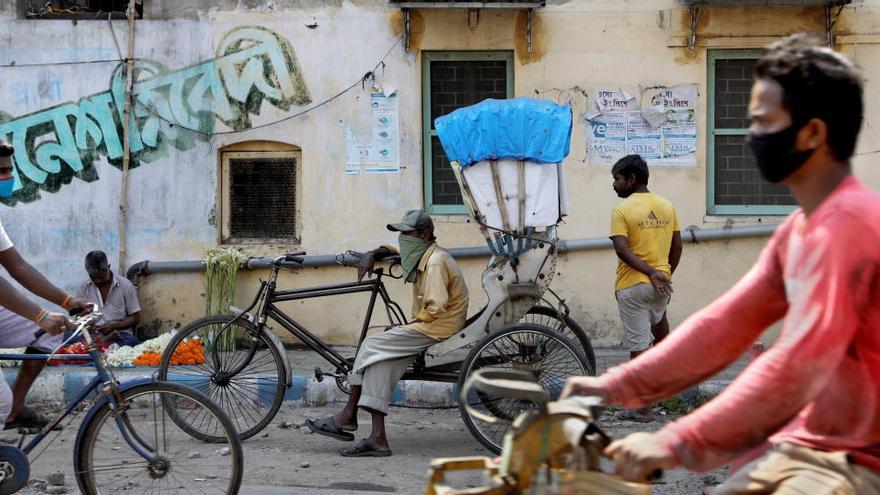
<point x="518" y="129"/>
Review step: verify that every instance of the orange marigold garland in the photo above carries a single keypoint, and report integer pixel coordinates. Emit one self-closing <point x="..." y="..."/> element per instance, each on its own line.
<point x="188" y="352"/>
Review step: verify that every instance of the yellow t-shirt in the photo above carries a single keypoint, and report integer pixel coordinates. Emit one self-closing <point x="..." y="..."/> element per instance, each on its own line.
<point x="647" y="221"/>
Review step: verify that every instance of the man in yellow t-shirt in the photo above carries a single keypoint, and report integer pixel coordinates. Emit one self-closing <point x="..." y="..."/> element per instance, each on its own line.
<point x="646" y="238"/>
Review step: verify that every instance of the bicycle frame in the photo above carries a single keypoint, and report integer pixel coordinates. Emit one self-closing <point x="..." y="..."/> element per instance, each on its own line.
<point x="267" y="298"/>
<point x="104" y="381"/>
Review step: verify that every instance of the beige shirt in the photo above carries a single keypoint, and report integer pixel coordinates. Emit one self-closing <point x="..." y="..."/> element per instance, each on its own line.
<point x="440" y="296"/>
<point x="122" y="300"/>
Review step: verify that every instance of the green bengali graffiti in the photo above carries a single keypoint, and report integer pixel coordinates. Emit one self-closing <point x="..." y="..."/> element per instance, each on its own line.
<point x="171" y="110"/>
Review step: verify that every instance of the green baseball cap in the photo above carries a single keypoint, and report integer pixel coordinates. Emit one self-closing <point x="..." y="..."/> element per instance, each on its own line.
<point x="413" y="220"/>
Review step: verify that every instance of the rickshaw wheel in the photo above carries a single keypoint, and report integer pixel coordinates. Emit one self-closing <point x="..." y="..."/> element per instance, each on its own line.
<point x="546" y="353"/>
<point x="545" y="315"/>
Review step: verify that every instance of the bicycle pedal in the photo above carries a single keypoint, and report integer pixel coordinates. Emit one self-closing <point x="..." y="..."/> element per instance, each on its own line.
<point x="319" y="375"/>
<point x="28" y="431"/>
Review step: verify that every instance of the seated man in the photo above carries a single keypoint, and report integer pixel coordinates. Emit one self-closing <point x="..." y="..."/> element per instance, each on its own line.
<point x="116" y="298"/>
<point x="440" y="301"/>
<point x="815" y="395"/>
<point x="20" y="317"/>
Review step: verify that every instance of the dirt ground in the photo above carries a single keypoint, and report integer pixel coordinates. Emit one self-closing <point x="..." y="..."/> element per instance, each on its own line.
<point x="286" y="459"/>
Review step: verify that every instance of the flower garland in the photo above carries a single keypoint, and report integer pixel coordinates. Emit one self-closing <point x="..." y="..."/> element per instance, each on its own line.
<point x="149" y="353"/>
<point x="221" y="267"/>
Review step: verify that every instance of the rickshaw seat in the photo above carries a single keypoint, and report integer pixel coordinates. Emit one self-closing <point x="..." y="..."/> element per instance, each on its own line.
<point x="419" y="363"/>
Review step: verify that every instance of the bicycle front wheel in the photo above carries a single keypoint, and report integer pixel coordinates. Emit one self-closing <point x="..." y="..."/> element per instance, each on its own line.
<point x="106" y="460"/>
<point x="251" y="397"/>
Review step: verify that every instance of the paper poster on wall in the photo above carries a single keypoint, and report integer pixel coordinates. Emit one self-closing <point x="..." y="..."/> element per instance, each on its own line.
<point x="660" y="125"/>
<point x="382" y="153"/>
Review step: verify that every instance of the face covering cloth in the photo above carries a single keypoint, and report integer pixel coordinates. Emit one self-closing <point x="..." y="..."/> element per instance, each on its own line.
<point x="411" y="251"/>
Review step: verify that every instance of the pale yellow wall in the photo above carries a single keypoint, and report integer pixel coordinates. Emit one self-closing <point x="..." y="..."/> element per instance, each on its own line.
<point x="581" y="44"/>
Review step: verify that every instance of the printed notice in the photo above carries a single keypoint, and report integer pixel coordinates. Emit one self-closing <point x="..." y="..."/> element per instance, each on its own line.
<point x="382" y="153"/>
<point x="662" y="126"/>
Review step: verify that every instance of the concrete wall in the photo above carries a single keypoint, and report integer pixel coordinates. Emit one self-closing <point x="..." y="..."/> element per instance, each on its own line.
<point x="173" y="195"/>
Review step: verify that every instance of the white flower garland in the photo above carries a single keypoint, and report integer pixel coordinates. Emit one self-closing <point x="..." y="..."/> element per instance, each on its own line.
<point x="125" y="355"/>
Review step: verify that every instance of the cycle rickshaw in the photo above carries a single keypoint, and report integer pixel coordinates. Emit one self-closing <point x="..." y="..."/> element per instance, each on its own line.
<point x="507" y="157"/>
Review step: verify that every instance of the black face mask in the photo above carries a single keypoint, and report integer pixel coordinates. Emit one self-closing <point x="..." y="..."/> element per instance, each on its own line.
<point x="775" y="154"/>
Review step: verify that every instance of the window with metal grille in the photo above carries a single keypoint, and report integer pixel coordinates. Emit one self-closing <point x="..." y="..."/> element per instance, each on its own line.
<point x="78" y="9"/>
<point x="735" y="185"/>
<point x="452" y="80"/>
<point x="260" y="196"/>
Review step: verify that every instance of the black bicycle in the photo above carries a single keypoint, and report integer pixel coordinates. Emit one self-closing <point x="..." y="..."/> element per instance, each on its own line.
<point x="246" y="370"/>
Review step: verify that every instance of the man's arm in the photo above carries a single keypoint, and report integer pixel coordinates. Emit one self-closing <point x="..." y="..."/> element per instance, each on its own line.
<point x="658" y="279"/>
<point x="129" y="321"/>
<point x="14" y="301"/>
<point x="34" y="281"/>
<point x="834" y="288"/>
<point x="436" y="294"/>
<point x="675" y="251"/>
<point x="365" y="265"/>
<point x="704" y="344"/>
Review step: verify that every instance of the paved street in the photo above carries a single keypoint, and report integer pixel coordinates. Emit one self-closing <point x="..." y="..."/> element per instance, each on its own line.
<point x="290" y="461"/>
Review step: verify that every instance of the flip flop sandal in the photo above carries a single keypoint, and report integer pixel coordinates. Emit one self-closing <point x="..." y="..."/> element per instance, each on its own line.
<point x="29" y="417"/>
<point x="364" y="449"/>
<point x="328" y="428"/>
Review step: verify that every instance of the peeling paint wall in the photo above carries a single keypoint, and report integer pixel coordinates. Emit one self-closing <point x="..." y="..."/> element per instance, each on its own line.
<point x="314" y="50"/>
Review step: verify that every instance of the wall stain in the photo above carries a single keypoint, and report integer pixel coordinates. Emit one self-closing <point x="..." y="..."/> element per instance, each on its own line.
<point x="804" y="19"/>
<point x="684" y="55"/>
<point x="539" y="37"/>
<point x="416" y="28"/>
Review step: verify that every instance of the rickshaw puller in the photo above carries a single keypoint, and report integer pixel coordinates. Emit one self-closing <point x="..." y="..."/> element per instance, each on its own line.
<point x="439" y="310"/>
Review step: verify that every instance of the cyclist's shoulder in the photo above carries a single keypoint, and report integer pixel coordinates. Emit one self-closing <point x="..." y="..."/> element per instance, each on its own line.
<point x="852" y="212"/>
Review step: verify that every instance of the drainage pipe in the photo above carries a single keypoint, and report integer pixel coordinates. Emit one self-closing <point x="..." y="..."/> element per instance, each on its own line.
<point x="691" y="234"/>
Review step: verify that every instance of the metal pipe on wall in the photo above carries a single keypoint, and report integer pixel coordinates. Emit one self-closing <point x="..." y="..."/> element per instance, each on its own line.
<point x="691" y="234"/>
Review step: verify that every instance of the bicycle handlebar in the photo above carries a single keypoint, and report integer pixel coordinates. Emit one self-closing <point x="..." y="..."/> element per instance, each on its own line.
<point x="81" y="321"/>
<point x="352" y="259"/>
<point x="294" y="258"/>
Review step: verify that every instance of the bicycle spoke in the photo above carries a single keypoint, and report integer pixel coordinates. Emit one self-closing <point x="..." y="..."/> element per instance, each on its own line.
<point x="180" y="459"/>
<point x="545" y="355"/>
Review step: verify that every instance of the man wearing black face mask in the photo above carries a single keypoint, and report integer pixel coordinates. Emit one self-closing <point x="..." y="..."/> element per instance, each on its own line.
<point x="809" y="406"/>
<point x="439" y="309"/>
<point x="20" y="317"/>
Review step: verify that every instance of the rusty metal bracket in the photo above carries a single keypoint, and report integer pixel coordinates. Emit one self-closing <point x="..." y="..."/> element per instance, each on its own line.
<point x="529" y="14"/>
<point x="831" y="19"/>
<point x="407" y="28"/>
<point x="695" y="11"/>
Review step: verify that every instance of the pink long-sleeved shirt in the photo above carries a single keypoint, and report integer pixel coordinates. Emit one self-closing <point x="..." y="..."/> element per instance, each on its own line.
<point x="819" y="384"/>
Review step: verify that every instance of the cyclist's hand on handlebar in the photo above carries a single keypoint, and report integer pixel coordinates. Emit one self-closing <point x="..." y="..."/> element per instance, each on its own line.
<point x="639" y="456"/>
<point x="55" y="323"/>
<point x="584" y="385"/>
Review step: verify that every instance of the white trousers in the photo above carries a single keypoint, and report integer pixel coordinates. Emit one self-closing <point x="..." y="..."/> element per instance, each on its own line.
<point x="382" y="360"/>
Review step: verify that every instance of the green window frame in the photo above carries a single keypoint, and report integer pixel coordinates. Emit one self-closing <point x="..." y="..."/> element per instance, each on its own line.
<point x="713" y="132"/>
<point x="428" y="127"/>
